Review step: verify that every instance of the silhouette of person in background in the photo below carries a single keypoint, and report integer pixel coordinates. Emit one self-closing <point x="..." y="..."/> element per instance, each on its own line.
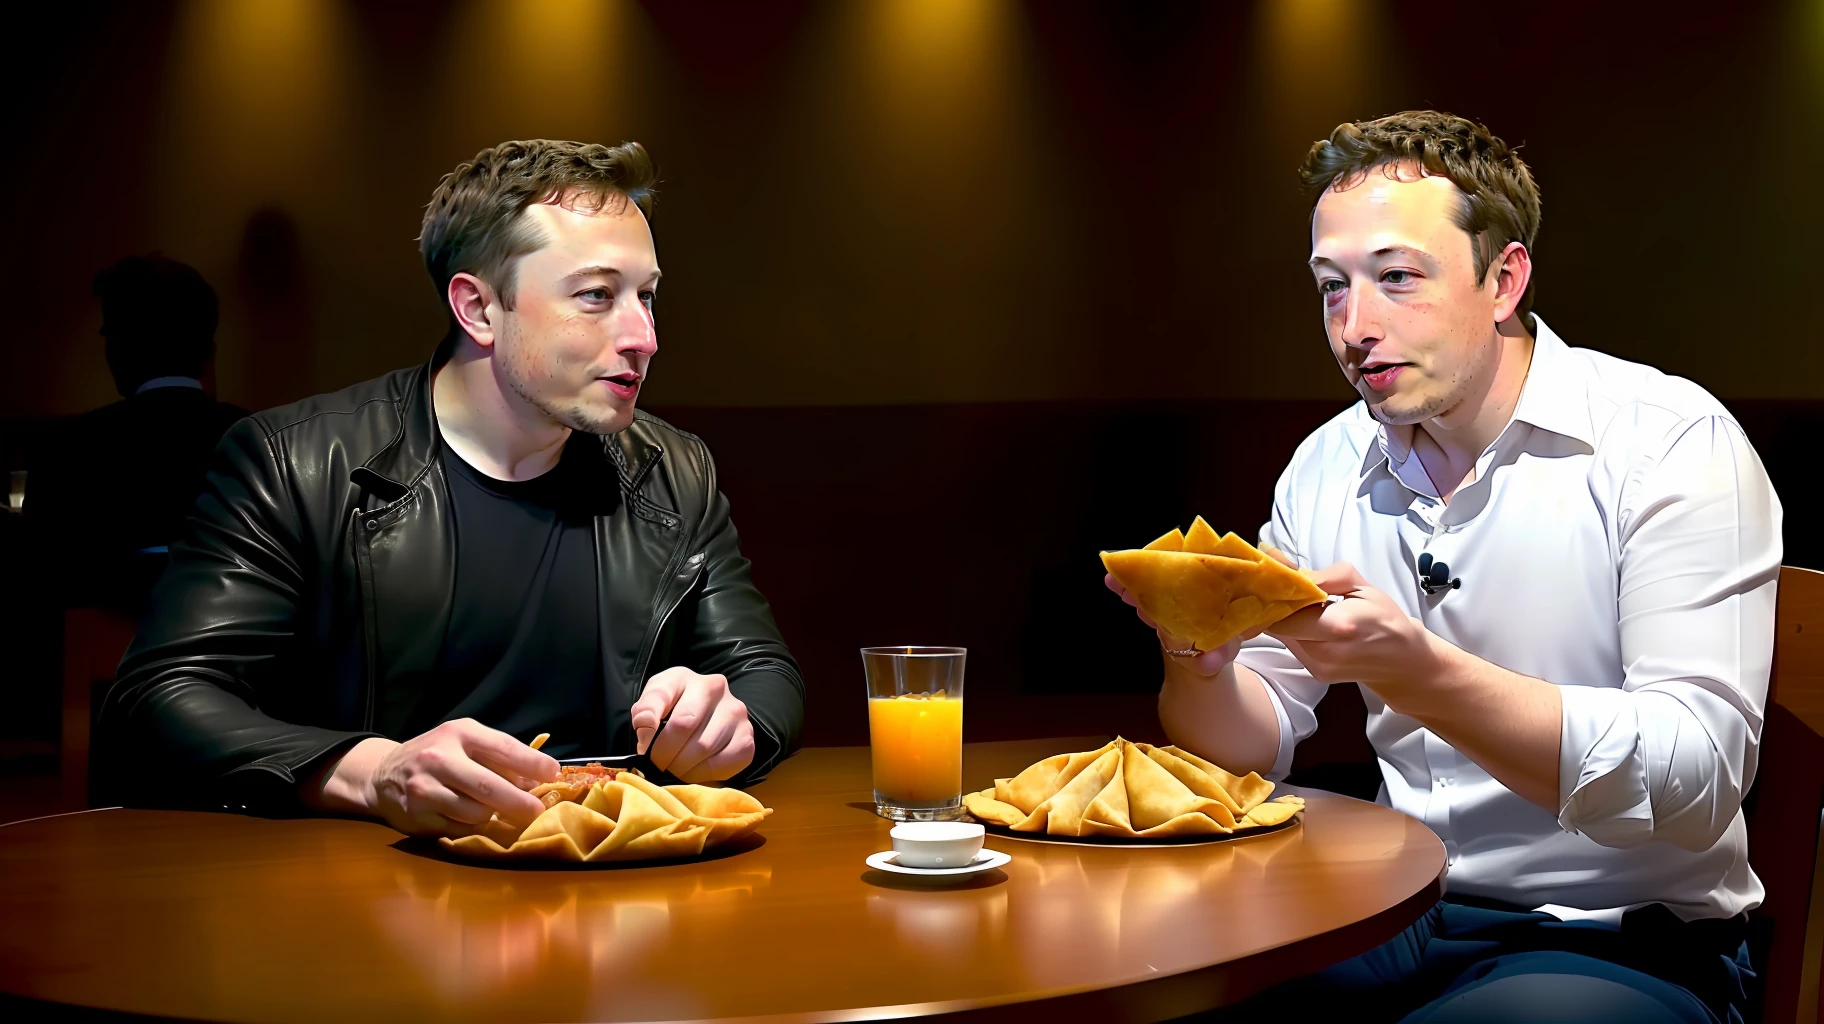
<point x="109" y="489"/>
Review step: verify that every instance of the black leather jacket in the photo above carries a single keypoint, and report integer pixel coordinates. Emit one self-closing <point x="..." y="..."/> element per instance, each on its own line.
<point x="305" y="607"/>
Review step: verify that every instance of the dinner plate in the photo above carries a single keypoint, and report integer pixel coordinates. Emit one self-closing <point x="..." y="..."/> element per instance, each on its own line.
<point x="987" y="860"/>
<point x="1140" y="841"/>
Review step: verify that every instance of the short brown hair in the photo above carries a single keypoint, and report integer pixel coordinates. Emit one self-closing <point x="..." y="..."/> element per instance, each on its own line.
<point x="1500" y="199"/>
<point x="473" y="223"/>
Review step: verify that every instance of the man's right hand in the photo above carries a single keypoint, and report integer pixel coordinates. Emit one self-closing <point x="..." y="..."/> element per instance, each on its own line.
<point x="446" y="782"/>
<point x="1212" y="705"/>
<point x="1208" y="664"/>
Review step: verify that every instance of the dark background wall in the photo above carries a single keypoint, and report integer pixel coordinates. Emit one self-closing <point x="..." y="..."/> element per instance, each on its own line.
<point x="908" y="201"/>
<point x="1035" y="271"/>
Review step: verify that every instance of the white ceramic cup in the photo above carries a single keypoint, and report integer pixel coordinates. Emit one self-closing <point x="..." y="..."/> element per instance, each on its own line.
<point x="936" y="844"/>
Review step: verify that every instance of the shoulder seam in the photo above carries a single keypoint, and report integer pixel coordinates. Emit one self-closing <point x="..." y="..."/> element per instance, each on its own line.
<point x="275" y="431"/>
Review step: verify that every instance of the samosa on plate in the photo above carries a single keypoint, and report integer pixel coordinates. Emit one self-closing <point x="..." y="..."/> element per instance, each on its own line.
<point x="622" y="817"/>
<point x="1210" y="589"/>
<point x="1130" y="790"/>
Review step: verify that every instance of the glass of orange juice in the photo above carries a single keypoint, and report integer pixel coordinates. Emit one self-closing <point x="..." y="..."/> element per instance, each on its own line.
<point x="915" y="727"/>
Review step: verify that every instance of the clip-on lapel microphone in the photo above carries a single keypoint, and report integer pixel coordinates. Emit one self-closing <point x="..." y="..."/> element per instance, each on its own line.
<point x="1435" y="576"/>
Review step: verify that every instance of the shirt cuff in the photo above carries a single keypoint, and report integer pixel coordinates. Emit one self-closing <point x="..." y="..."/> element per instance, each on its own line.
<point x="1602" y="776"/>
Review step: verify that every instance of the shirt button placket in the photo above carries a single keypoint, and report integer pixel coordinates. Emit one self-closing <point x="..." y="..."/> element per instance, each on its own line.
<point x="1438" y="763"/>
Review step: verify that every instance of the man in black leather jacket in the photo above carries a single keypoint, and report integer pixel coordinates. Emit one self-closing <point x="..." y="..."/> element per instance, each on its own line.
<point x="495" y="535"/>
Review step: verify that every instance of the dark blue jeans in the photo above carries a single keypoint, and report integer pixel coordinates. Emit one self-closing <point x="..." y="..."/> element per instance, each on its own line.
<point x="1478" y="964"/>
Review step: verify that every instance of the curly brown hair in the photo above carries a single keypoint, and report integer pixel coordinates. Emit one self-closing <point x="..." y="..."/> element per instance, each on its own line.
<point x="1500" y="199"/>
<point x="473" y="223"/>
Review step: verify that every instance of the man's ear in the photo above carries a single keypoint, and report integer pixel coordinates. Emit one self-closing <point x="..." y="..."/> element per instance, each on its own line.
<point x="1513" y="270"/>
<point x="475" y="307"/>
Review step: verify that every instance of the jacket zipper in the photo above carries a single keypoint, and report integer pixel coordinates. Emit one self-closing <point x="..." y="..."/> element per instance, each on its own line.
<point x="652" y="638"/>
<point x="364" y="570"/>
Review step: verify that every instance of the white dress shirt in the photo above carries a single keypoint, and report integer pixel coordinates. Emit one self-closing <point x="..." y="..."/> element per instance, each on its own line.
<point x="1619" y="539"/>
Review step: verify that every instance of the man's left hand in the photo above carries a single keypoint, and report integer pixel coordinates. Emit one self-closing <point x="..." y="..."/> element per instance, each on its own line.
<point x="706" y="736"/>
<point x="1364" y="638"/>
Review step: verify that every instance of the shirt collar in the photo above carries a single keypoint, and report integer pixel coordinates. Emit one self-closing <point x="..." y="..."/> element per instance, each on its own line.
<point x="1554" y="397"/>
<point x="168" y="382"/>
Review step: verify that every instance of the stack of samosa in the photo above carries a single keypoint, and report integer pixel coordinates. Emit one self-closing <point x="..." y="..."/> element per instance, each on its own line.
<point x="1210" y="589"/>
<point x="621" y="817"/>
<point x="1131" y="790"/>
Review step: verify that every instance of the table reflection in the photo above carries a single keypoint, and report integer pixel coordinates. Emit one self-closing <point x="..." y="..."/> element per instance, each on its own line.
<point x="1082" y="904"/>
<point x="936" y="926"/>
<point x="472" y="931"/>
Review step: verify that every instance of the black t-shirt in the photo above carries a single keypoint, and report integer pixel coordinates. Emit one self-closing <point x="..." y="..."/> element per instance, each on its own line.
<point x="523" y="649"/>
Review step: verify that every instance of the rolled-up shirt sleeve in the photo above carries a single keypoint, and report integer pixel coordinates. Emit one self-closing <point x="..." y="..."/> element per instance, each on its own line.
<point x="1294" y="693"/>
<point x="1670" y="753"/>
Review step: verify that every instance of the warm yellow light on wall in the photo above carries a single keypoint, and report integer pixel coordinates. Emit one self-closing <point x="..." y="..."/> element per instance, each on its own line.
<point x="257" y="86"/>
<point x="1811" y="30"/>
<point x="537" y="69"/>
<point x="921" y="122"/>
<point x="1316" y="51"/>
<point x="925" y="35"/>
<point x="257" y="117"/>
<point x="938" y="67"/>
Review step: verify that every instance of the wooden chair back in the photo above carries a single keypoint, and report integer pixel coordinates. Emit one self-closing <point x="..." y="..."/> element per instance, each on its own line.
<point x="1786" y="810"/>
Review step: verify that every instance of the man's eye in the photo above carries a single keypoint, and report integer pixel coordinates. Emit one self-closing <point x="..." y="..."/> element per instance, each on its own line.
<point x="1331" y="286"/>
<point x="1397" y="276"/>
<point x="649" y="298"/>
<point x="594" y="294"/>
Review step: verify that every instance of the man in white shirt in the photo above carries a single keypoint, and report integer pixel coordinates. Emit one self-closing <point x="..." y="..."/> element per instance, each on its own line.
<point x="1556" y="573"/>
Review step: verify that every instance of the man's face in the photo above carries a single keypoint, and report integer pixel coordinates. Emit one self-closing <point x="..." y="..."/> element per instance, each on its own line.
<point x="580" y="335"/>
<point x="1409" y="322"/>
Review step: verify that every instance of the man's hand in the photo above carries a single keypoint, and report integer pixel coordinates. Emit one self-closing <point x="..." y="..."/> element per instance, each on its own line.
<point x="706" y="736"/>
<point x="1506" y="722"/>
<point x="1209" y="703"/>
<point x="446" y="782"/>
<point x="1209" y="664"/>
<point x="1364" y="638"/>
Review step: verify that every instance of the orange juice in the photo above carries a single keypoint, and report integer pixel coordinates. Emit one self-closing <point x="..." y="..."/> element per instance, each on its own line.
<point x="918" y="748"/>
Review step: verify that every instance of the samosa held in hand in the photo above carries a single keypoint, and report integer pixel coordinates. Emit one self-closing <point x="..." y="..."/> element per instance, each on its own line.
<point x="1210" y="589"/>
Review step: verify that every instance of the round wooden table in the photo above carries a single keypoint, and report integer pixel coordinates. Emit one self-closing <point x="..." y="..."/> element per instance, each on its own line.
<point x="234" y="918"/>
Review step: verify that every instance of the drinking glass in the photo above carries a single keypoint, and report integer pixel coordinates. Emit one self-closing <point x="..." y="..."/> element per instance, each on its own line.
<point x="915" y="729"/>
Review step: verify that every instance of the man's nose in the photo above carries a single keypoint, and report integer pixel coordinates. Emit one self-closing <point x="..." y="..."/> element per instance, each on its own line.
<point x="1361" y="320"/>
<point x="636" y="332"/>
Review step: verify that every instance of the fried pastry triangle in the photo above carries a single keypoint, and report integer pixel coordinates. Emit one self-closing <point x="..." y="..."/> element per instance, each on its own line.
<point x="1210" y="589"/>
<point x="625" y="818"/>
<point x="1130" y="790"/>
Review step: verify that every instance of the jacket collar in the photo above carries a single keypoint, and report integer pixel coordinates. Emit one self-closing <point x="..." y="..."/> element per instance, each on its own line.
<point x="396" y="469"/>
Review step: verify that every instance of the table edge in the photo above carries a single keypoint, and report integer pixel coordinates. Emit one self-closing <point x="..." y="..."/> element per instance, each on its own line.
<point x="1161" y="998"/>
<point x="1164" y="998"/>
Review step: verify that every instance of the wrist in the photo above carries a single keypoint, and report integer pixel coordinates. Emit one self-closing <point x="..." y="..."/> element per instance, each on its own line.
<point x="1422" y="680"/>
<point x="346" y="785"/>
<point x="1194" y="670"/>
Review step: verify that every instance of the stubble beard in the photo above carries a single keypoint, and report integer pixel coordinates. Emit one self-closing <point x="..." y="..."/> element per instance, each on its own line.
<point x="516" y="367"/>
<point x="1435" y="405"/>
<point x="1447" y="397"/>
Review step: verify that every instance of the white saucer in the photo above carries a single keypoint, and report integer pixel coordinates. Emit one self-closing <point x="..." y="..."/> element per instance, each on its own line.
<point x="887" y="860"/>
